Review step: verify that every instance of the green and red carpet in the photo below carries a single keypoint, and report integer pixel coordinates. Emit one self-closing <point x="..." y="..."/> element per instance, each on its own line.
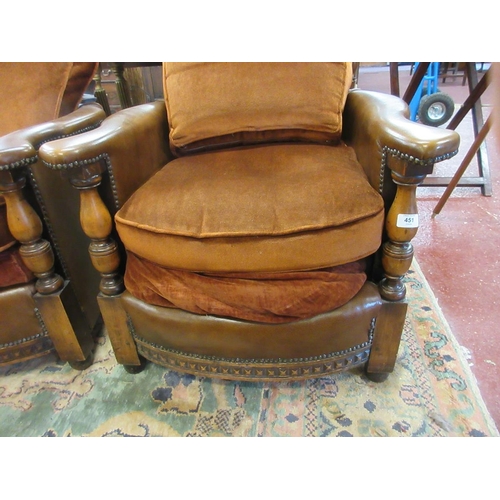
<point x="432" y="392"/>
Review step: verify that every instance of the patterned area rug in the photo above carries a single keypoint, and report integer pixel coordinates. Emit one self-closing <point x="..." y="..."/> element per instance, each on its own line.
<point x="431" y="393"/>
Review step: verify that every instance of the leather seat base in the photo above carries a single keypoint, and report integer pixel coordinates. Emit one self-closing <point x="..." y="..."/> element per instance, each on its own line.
<point x="22" y="336"/>
<point x="241" y="350"/>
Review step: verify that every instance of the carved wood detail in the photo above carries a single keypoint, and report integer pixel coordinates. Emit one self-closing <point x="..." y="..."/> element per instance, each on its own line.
<point x="97" y="224"/>
<point x="401" y="226"/>
<point x="27" y="228"/>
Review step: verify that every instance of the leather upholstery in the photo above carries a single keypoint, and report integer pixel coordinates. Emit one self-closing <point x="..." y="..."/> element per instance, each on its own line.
<point x="202" y="335"/>
<point x="213" y="184"/>
<point x="19" y="320"/>
<point x="36" y="99"/>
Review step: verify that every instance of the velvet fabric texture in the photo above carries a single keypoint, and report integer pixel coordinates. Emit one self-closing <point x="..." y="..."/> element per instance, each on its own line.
<point x="12" y="269"/>
<point x="31" y="93"/>
<point x="79" y="79"/>
<point x="269" y="102"/>
<point x="258" y="297"/>
<point x="265" y="208"/>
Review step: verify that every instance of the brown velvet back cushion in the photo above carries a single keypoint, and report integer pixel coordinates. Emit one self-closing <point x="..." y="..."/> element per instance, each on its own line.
<point x="34" y="92"/>
<point x="238" y="103"/>
<point x="80" y="76"/>
<point x="30" y="93"/>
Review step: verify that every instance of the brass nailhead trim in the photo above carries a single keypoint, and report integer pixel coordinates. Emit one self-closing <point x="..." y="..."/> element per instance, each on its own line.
<point x="263" y="361"/>
<point x="406" y="157"/>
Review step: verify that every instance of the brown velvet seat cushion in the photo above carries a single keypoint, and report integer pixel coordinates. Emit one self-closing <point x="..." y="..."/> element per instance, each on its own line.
<point x="259" y="297"/>
<point x="239" y="103"/>
<point x="271" y="208"/>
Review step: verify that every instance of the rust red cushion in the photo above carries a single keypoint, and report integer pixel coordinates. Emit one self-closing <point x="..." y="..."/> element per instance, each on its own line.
<point x="12" y="268"/>
<point x="260" y="297"/>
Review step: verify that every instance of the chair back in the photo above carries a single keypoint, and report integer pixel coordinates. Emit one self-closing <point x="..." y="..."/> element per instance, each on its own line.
<point x="36" y="92"/>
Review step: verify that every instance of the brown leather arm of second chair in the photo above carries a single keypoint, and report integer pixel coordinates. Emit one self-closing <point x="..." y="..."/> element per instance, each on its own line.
<point x="20" y="147"/>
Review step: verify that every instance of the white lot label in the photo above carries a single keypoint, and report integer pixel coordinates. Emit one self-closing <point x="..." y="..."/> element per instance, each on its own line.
<point x="407" y="220"/>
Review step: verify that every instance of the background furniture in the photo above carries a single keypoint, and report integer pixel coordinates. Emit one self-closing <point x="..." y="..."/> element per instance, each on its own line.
<point x="254" y="180"/>
<point x="477" y="86"/>
<point x="43" y="301"/>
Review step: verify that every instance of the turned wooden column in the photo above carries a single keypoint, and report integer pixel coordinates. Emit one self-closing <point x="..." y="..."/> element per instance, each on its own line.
<point x="72" y="342"/>
<point x="26" y="227"/>
<point x="97" y="224"/>
<point x="397" y="255"/>
<point x="121" y="85"/>
<point x="100" y="93"/>
<point x="401" y="227"/>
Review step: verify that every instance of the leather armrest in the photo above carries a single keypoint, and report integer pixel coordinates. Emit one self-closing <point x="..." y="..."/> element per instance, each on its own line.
<point x="19" y="148"/>
<point x="133" y="142"/>
<point x="377" y="125"/>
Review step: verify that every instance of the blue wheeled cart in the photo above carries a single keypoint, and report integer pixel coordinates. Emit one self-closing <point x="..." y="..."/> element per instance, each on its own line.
<point x="429" y="105"/>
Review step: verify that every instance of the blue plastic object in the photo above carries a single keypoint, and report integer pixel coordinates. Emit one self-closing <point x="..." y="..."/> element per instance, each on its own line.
<point x="431" y="78"/>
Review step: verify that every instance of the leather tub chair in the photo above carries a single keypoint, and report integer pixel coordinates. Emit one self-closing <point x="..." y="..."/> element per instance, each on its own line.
<point x="41" y="311"/>
<point x="260" y="222"/>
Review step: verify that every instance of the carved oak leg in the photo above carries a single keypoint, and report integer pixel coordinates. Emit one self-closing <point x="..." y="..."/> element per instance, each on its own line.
<point x="72" y="341"/>
<point x="397" y="255"/>
<point x="96" y="223"/>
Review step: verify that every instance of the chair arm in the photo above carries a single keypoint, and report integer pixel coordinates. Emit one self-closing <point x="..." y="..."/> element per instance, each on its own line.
<point x="133" y="144"/>
<point x="377" y="125"/>
<point x="19" y="148"/>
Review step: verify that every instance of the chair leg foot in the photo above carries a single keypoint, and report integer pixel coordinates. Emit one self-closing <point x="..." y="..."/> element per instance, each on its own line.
<point x="82" y="365"/>
<point x="377" y="377"/>
<point x="134" y="369"/>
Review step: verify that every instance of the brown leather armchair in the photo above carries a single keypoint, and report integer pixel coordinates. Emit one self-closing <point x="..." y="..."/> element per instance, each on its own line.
<point x="41" y="308"/>
<point x="263" y="220"/>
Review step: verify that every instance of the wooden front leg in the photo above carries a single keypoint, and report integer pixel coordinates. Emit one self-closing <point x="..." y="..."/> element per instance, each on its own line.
<point x="397" y="255"/>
